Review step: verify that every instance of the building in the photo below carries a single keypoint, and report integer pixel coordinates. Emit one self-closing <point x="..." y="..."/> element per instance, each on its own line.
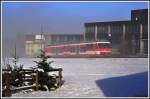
<point x="140" y="15"/>
<point x="34" y="43"/>
<point x="64" y="38"/>
<point x="127" y="37"/>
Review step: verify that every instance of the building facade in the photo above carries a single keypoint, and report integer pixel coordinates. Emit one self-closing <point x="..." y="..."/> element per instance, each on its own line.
<point x="33" y="44"/>
<point x="127" y="37"/>
<point x="64" y="38"/>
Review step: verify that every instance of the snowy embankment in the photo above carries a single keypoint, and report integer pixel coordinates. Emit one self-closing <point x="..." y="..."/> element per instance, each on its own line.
<point x="96" y="77"/>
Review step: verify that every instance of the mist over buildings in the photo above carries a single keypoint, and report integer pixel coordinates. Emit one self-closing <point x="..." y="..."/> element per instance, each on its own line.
<point x="20" y="18"/>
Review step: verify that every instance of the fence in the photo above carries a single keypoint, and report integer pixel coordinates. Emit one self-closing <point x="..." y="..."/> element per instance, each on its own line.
<point x="25" y="75"/>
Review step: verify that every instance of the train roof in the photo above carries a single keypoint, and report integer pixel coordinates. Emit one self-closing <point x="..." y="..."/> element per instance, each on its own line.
<point x="81" y="43"/>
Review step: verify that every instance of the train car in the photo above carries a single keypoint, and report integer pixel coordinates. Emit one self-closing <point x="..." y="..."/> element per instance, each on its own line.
<point x="80" y="50"/>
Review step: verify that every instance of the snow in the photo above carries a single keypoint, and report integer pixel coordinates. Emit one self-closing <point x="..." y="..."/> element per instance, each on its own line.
<point x="96" y="77"/>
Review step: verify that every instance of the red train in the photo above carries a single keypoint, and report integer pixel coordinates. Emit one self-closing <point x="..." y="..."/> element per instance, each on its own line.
<point x="80" y="50"/>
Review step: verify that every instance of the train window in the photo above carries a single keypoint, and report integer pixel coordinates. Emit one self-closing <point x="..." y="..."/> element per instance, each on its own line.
<point x="52" y="50"/>
<point x="82" y="49"/>
<point x="59" y="49"/>
<point x="55" y="50"/>
<point x="103" y="45"/>
<point x="72" y="49"/>
<point x="89" y="46"/>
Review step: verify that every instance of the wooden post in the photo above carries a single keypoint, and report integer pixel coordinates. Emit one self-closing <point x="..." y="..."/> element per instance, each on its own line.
<point x="60" y="77"/>
<point x="23" y="76"/>
<point x="37" y="85"/>
<point x="7" y="91"/>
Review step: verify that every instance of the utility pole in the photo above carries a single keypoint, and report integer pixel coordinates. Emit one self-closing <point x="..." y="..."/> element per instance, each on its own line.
<point x="42" y="41"/>
<point x="42" y="37"/>
<point x="15" y="57"/>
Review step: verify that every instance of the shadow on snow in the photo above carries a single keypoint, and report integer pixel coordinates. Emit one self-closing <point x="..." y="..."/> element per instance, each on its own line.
<point x="134" y="85"/>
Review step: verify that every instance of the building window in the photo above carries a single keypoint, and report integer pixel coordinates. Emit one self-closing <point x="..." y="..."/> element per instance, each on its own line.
<point x="39" y="37"/>
<point x="57" y="39"/>
<point x="65" y="39"/>
<point x="102" y="29"/>
<point x="90" y="29"/>
<point x="90" y="36"/>
<point x="74" y="38"/>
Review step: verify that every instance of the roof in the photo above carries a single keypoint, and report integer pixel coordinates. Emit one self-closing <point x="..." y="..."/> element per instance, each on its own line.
<point x="30" y="37"/>
<point x="81" y="43"/>
<point x="141" y="10"/>
<point x="66" y="34"/>
<point x="112" y="22"/>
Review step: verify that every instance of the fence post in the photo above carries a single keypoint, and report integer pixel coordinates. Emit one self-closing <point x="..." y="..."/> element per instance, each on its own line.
<point x="7" y="92"/>
<point x="60" y="76"/>
<point x="24" y="75"/>
<point x="37" y="85"/>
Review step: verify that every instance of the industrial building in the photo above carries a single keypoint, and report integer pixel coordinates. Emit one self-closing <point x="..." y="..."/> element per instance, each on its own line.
<point x="127" y="37"/>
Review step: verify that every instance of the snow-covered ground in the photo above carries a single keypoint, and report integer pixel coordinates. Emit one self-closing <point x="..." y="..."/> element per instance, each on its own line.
<point x="96" y="77"/>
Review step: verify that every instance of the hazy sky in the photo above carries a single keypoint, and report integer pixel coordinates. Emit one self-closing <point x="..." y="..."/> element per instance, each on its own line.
<point x="61" y="17"/>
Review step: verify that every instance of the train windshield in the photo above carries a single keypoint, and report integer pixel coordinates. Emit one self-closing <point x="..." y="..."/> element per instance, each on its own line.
<point x="104" y="45"/>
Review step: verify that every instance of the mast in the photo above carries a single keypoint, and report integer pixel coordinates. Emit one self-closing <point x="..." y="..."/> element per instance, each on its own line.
<point x="15" y="56"/>
<point x="42" y="39"/>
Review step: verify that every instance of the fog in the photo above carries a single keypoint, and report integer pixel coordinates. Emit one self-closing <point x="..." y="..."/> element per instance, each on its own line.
<point x="20" y="18"/>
